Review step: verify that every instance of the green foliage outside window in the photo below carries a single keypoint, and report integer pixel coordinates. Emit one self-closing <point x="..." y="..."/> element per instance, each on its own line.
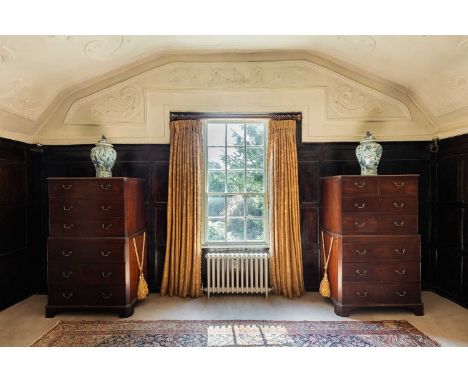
<point x="235" y="182"/>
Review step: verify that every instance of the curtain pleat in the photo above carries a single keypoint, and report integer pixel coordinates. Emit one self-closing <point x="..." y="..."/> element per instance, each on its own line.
<point x="182" y="267"/>
<point x="286" y="273"/>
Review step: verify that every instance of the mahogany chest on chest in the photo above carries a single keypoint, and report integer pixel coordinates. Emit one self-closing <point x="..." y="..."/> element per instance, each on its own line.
<point x="91" y="257"/>
<point x="375" y="258"/>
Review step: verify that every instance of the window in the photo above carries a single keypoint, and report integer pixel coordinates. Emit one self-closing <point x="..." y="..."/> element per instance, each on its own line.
<point x="235" y="183"/>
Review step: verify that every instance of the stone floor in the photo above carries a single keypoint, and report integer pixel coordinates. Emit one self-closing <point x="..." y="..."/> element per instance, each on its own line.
<point x="444" y="321"/>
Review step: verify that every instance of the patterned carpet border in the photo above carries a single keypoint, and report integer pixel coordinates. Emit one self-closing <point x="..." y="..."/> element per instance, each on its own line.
<point x="235" y="333"/>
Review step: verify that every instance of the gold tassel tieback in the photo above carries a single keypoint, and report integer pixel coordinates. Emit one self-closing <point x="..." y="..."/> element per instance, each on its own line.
<point x="324" y="289"/>
<point x="142" y="284"/>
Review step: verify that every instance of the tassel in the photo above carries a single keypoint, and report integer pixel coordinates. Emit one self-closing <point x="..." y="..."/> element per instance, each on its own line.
<point x="142" y="290"/>
<point x="324" y="289"/>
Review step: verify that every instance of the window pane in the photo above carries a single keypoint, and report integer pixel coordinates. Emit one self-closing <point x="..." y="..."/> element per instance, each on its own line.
<point x="235" y="157"/>
<point x="254" y="205"/>
<point x="255" y="229"/>
<point x="216" y="229"/>
<point x="216" y="134"/>
<point x="235" y="205"/>
<point x="235" y="181"/>
<point x="254" y="181"/>
<point x="235" y="229"/>
<point x="216" y="206"/>
<point x="235" y="134"/>
<point x="216" y="181"/>
<point x="216" y="158"/>
<point x="254" y="134"/>
<point x="254" y="157"/>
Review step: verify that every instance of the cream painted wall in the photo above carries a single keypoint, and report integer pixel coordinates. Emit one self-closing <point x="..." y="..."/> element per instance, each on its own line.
<point x="337" y="104"/>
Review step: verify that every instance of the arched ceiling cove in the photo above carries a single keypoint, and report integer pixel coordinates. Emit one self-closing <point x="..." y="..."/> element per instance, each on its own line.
<point x="42" y="77"/>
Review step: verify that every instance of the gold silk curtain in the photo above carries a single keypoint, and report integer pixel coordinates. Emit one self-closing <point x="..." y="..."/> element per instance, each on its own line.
<point x="283" y="198"/>
<point x="182" y="267"/>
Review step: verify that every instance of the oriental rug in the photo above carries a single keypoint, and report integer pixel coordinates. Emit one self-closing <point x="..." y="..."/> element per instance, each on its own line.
<point x="234" y="333"/>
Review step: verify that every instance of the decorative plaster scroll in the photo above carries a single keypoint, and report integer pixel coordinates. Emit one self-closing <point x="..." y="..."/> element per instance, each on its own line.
<point x="21" y="98"/>
<point x="359" y="102"/>
<point x="350" y="102"/>
<point x="116" y="105"/>
<point x="103" y="48"/>
<point x="6" y="55"/>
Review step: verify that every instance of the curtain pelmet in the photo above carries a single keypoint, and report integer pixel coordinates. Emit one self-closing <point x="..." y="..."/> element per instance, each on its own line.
<point x="283" y="201"/>
<point x="182" y="267"/>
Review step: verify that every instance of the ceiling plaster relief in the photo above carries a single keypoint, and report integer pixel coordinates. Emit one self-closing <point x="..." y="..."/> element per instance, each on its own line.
<point x="124" y="107"/>
<point x="359" y="43"/>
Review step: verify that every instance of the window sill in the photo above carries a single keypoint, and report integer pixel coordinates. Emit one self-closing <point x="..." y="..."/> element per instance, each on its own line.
<point x="236" y="246"/>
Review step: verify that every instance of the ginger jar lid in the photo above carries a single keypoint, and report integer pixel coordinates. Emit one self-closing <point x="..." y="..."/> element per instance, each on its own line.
<point x="103" y="142"/>
<point x="368" y="138"/>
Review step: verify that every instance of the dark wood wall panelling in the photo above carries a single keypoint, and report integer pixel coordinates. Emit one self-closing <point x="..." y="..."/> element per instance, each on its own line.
<point x="451" y="212"/>
<point x="151" y="162"/>
<point x="17" y="219"/>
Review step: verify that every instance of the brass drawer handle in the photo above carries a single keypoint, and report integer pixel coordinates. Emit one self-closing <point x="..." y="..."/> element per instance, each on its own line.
<point x="360" y="206"/>
<point x="361" y="294"/>
<point x="67" y="186"/>
<point x="364" y="272"/>
<point x="67" y="295"/>
<point x="359" y="184"/>
<point x="398" y="205"/>
<point x="359" y="225"/>
<point x="68" y="226"/>
<point x="68" y="208"/>
<point x="399" y="224"/>
<point x="67" y="274"/>
<point x="106" y="208"/>
<point x="106" y="253"/>
<point x="401" y="294"/>
<point x="105" y="186"/>
<point x="361" y="253"/>
<point x="106" y="226"/>
<point x="106" y="295"/>
<point x="66" y="253"/>
<point x="400" y="251"/>
<point x="400" y="273"/>
<point x="106" y="274"/>
<point x="398" y="184"/>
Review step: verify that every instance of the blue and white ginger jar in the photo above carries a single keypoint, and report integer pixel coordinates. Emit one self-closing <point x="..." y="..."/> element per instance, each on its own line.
<point x="103" y="157"/>
<point x="368" y="154"/>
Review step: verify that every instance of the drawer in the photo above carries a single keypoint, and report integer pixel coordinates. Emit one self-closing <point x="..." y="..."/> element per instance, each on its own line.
<point x="75" y="227"/>
<point x="86" y="188"/>
<point x="391" y="271"/>
<point x="368" y="250"/>
<point x="86" y="250"/>
<point x="381" y="294"/>
<point x="355" y="223"/>
<point x="398" y="185"/>
<point x="75" y="295"/>
<point x="398" y="224"/>
<point x="359" y="186"/>
<point x="86" y="274"/>
<point x="361" y="204"/>
<point x="399" y="205"/>
<point x="64" y="208"/>
<point x="378" y="223"/>
<point x="389" y="204"/>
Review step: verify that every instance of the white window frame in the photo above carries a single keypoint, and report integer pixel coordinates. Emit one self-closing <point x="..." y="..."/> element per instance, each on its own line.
<point x="225" y="243"/>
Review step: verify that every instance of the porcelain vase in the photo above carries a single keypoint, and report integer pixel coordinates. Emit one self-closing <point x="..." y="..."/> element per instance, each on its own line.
<point x="368" y="154"/>
<point x="103" y="157"/>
